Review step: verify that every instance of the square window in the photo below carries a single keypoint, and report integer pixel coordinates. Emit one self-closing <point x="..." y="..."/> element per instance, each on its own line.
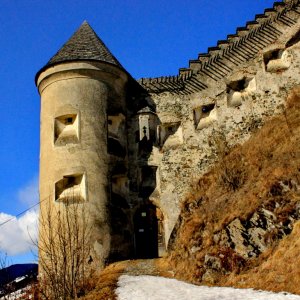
<point x="71" y="188"/>
<point x="239" y="90"/>
<point x="66" y="130"/>
<point x="204" y="115"/>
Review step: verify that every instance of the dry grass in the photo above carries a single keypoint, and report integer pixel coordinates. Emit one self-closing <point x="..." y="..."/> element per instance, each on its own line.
<point x="106" y="283"/>
<point x="107" y="280"/>
<point x="246" y="178"/>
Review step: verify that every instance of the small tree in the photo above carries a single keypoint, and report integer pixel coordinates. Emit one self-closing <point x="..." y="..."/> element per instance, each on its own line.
<point x="64" y="249"/>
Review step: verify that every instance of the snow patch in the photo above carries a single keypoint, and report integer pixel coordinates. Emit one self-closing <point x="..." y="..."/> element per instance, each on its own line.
<point x="160" y="288"/>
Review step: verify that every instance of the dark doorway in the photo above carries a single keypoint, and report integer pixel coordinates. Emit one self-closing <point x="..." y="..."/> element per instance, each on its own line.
<point x="146" y="232"/>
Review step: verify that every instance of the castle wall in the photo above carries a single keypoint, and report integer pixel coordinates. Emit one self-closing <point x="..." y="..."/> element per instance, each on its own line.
<point x="227" y="111"/>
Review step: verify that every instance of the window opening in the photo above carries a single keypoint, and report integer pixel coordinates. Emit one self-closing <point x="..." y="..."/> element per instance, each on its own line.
<point x="238" y="91"/>
<point x="170" y="131"/>
<point x="204" y="115"/>
<point x="70" y="188"/>
<point x="277" y="60"/>
<point x="207" y="108"/>
<point x="66" y="130"/>
<point x="69" y="121"/>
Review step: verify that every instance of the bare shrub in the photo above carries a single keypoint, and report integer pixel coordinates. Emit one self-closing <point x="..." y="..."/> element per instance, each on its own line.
<point x="232" y="172"/>
<point x="64" y="250"/>
<point x="220" y="143"/>
<point x="231" y="167"/>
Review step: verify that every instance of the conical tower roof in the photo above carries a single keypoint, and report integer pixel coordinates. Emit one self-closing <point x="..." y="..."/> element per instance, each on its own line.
<point x="84" y="44"/>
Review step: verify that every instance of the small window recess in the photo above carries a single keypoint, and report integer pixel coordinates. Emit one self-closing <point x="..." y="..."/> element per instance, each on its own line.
<point x="204" y="115"/>
<point x="274" y="54"/>
<point x="238" y="90"/>
<point x="71" y="189"/>
<point x="66" y="130"/>
<point x="119" y="185"/>
<point x="277" y="60"/>
<point x="116" y="125"/>
<point x="171" y="133"/>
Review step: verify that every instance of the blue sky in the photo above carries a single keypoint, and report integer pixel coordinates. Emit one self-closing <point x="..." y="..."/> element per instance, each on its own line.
<point x="150" y="38"/>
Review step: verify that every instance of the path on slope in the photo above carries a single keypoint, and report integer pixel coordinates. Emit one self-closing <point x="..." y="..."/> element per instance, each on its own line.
<point x="159" y="288"/>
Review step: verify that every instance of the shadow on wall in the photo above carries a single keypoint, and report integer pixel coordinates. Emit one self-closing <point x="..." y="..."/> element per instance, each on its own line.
<point x="147" y="219"/>
<point x="120" y="215"/>
<point x="134" y="227"/>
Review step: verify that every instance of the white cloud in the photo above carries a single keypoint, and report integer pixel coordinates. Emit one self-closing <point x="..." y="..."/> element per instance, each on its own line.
<point x="16" y="235"/>
<point x="29" y="194"/>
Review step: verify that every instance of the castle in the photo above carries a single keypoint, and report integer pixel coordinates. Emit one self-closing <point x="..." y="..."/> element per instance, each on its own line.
<point x="130" y="149"/>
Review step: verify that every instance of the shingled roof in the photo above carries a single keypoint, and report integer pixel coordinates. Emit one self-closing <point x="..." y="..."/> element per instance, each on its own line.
<point x="83" y="45"/>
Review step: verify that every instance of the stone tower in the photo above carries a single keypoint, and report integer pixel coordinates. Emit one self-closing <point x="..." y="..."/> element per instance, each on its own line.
<point x="83" y="141"/>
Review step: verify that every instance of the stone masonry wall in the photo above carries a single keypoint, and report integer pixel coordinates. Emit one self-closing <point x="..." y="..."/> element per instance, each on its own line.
<point x="231" y="108"/>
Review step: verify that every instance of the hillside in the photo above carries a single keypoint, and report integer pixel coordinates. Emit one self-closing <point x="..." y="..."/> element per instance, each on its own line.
<point x="240" y="225"/>
<point x="10" y="273"/>
<point x="17" y="281"/>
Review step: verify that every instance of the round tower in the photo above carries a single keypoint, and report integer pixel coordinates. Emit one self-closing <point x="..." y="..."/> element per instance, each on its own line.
<point x="82" y="87"/>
